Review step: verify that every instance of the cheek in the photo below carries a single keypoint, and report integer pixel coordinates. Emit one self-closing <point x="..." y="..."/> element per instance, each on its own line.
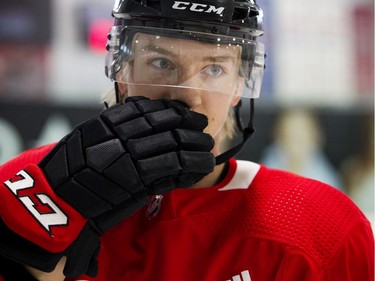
<point x="217" y="110"/>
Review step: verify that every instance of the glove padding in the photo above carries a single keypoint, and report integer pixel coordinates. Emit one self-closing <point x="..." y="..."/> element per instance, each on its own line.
<point x="108" y="167"/>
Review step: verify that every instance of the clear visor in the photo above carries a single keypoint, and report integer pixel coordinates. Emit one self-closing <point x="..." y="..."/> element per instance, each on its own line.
<point x="184" y="59"/>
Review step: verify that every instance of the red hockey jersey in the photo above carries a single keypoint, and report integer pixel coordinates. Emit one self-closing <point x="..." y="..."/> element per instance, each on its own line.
<point x="258" y="224"/>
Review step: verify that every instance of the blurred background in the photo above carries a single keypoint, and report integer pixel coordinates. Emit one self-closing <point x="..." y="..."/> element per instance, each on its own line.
<point x="315" y="115"/>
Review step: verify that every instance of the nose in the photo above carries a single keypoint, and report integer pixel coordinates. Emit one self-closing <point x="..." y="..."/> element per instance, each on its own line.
<point x="192" y="97"/>
<point x="189" y="87"/>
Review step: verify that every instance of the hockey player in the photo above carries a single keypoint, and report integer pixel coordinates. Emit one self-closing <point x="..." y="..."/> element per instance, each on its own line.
<point x="144" y="190"/>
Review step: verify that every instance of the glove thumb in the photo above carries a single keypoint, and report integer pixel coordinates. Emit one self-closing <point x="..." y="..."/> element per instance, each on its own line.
<point x="82" y="257"/>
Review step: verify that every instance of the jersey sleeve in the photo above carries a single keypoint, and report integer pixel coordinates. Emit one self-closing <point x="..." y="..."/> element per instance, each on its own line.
<point x="354" y="259"/>
<point x="31" y="156"/>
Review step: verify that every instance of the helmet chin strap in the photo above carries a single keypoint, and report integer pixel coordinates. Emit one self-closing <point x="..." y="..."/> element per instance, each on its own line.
<point x="117" y="93"/>
<point x="247" y="132"/>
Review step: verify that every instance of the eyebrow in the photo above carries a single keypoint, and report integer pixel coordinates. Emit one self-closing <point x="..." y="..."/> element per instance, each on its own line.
<point x="163" y="51"/>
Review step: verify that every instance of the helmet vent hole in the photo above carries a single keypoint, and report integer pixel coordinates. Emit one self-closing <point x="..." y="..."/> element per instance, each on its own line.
<point x="253" y="13"/>
<point x="240" y="13"/>
<point x="155" y="4"/>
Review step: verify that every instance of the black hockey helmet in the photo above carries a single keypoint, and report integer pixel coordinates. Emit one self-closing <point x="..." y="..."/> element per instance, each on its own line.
<point x="239" y="18"/>
<point x="227" y="22"/>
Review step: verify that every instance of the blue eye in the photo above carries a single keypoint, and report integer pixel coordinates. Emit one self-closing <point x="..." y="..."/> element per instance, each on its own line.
<point x="163" y="64"/>
<point x="214" y="70"/>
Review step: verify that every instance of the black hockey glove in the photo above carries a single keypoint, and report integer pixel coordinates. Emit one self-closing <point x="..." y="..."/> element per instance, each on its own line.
<point x="98" y="175"/>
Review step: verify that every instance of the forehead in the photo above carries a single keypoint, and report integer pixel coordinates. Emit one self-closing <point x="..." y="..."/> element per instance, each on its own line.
<point x="148" y="42"/>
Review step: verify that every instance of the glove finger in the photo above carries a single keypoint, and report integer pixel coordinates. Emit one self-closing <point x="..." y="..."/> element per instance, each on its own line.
<point x="194" y="121"/>
<point x="176" y="104"/>
<point x="151" y="145"/>
<point x="193" y="140"/>
<point x="195" y="165"/>
<point x="147" y="106"/>
<point x="136" y="128"/>
<point x="135" y="99"/>
<point x="197" y="162"/>
<point x="190" y="119"/>
<point x="120" y="113"/>
<point x="164" y="120"/>
<point x="159" y="166"/>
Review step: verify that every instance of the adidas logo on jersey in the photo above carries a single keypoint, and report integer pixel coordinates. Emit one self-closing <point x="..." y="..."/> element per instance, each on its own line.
<point x="245" y="276"/>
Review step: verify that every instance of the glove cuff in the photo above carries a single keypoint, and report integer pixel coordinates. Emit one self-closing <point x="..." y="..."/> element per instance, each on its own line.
<point x="30" y="208"/>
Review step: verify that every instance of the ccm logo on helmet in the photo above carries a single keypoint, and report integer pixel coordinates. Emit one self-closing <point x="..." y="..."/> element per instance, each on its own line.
<point x="31" y="201"/>
<point x="197" y="7"/>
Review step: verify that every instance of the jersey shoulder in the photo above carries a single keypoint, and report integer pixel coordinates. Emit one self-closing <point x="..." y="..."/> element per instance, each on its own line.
<point x="301" y="212"/>
<point x="31" y="156"/>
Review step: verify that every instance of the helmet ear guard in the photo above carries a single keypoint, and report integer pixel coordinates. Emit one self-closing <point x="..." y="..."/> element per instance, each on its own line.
<point x="224" y="19"/>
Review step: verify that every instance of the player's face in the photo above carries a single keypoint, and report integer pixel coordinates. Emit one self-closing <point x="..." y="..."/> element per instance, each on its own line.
<point x="204" y="76"/>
